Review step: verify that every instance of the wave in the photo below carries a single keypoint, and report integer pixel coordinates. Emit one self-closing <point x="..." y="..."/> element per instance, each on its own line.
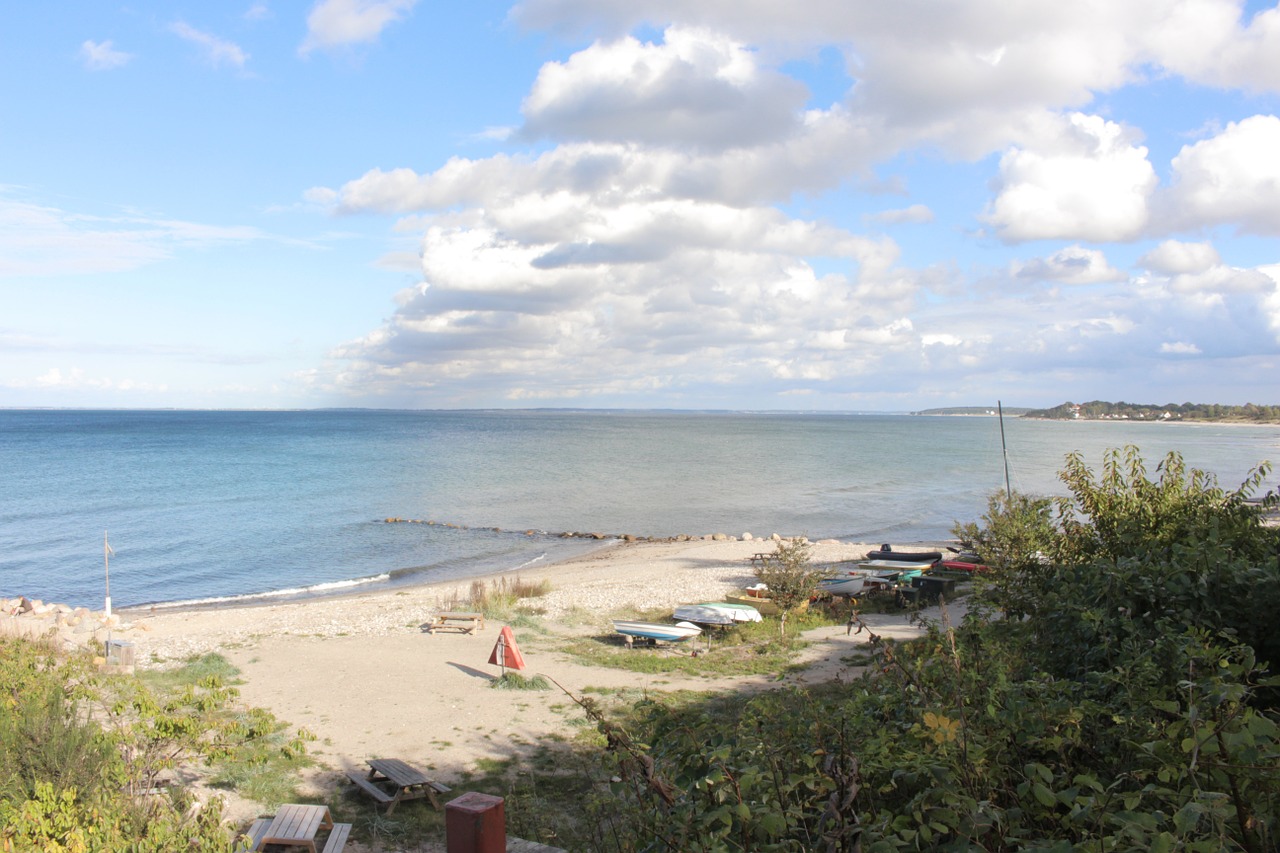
<point x="246" y="598"/>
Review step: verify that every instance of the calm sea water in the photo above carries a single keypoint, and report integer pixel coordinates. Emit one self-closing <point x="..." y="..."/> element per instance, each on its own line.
<point x="214" y="505"/>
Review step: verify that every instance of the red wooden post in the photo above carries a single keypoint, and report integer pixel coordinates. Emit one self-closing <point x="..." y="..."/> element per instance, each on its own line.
<point x="475" y="823"/>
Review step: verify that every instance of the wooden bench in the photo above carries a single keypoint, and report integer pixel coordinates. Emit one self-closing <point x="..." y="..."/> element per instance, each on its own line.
<point x="337" y="838"/>
<point x="390" y="781"/>
<point x="467" y="623"/>
<point x="369" y="788"/>
<point x="255" y="832"/>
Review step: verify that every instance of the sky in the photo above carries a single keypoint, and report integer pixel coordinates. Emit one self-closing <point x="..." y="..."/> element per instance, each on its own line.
<point x="844" y="205"/>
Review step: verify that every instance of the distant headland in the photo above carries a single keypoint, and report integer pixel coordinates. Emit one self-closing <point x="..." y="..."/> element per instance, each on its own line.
<point x="975" y="411"/>
<point x="1098" y="410"/>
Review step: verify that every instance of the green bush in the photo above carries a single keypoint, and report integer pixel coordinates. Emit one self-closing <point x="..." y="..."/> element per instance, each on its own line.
<point x="790" y="576"/>
<point x="82" y="754"/>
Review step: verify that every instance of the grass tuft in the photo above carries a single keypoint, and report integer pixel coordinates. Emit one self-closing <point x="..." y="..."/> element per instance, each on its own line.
<point x="516" y="681"/>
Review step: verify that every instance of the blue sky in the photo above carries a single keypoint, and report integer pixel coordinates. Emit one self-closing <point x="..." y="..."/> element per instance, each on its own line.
<point x="832" y="205"/>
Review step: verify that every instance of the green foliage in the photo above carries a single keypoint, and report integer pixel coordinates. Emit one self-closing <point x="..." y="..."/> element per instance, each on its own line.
<point x="1016" y="532"/>
<point x="1124" y="514"/>
<point x="1137" y="561"/>
<point x="516" y="681"/>
<point x="45" y="735"/>
<point x="1124" y="708"/>
<point x="790" y="575"/>
<point x="84" y="756"/>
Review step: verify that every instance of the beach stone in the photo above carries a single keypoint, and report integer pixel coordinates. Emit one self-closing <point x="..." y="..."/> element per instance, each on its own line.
<point x="747" y="537"/>
<point x="25" y="605"/>
<point x="719" y="537"/>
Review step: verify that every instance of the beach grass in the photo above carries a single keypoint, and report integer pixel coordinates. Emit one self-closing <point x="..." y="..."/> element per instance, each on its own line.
<point x="728" y="655"/>
<point x="516" y="681"/>
<point x="190" y="672"/>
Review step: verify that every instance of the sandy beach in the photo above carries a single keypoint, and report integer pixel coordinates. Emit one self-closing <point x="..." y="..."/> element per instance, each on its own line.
<point x="361" y="674"/>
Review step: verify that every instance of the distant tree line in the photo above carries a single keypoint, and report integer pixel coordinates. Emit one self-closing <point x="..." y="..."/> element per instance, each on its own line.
<point x="1100" y="410"/>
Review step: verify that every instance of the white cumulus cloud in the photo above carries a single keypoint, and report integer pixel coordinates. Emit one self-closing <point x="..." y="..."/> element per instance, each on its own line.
<point x="1173" y="257"/>
<point x="1072" y="265"/>
<point x="1232" y="178"/>
<point x="335" y="23"/>
<point x="1088" y="181"/>
<point x="1208" y="41"/>
<point x="695" y="88"/>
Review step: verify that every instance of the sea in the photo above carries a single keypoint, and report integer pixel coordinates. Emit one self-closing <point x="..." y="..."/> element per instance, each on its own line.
<point x="212" y="507"/>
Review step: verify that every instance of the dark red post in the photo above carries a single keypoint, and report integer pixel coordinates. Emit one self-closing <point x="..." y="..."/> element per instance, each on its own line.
<point x="475" y="823"/>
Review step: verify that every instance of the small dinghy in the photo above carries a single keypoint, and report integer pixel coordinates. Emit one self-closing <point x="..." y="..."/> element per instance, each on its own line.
<point x="659" y="631"/>
<point x="897" y="565"/>
<point x="717" y="613"/>
<point x="886" y="552"/>
<point x="845" y="586"/>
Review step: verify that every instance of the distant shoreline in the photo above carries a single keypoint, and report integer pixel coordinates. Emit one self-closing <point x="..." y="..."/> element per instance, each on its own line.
<point x="1165" y="421"/>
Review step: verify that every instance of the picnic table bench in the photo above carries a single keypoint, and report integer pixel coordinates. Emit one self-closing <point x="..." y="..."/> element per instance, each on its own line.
<point x="391" y="781"/>
<point x="467" y="623"/>
<point x="297" y="826"/>
<point x="760" y="559"/>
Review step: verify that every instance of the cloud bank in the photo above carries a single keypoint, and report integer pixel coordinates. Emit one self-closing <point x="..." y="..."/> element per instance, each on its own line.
<point x="634" y="246"/>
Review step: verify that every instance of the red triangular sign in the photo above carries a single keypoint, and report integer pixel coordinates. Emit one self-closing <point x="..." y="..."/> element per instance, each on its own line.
<point x="506" y="653"/>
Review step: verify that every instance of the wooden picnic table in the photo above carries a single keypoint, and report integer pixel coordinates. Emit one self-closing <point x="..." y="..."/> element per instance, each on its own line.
<point x="392" y="781"/>
<point x="297" y="825"/>
<point x="467" y="623"/>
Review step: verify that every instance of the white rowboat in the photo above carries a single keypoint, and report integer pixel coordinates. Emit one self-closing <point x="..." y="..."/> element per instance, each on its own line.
<point x="657" y="630"/>
<point x="717" y="613"/>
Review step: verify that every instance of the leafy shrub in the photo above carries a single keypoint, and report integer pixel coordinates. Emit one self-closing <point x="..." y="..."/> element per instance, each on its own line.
<point x="790" y="576"/>
<point x="82" y="754"/>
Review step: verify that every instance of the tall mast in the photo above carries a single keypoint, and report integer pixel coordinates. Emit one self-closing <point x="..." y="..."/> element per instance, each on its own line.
<point x="1004" y="450"/>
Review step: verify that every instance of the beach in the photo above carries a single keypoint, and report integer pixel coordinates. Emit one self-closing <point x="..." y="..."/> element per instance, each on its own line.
<point x="360" y="673"/>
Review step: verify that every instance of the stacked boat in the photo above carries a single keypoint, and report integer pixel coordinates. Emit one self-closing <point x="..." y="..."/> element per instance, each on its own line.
<point x="655" y="631"/>
<point x="883" y="569"/>
<point x="691" y="619"/>
<point x="721" y="613"/>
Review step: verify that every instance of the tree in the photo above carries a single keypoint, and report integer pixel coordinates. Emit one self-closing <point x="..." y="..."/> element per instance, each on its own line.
<point x="790" y="576"/>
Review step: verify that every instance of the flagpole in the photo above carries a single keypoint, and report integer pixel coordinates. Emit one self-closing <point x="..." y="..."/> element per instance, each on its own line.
<point x="106" y="568"/>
